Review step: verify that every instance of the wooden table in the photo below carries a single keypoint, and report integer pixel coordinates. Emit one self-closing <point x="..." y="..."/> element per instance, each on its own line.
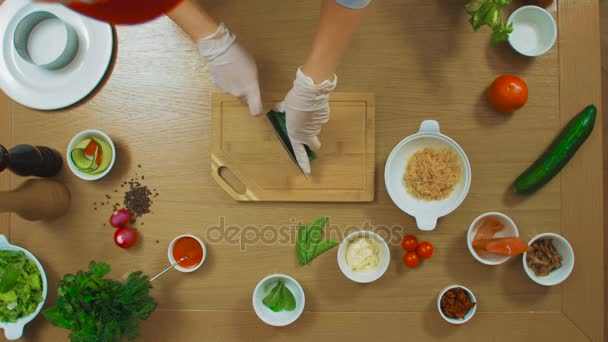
<point x="422" y="61"/>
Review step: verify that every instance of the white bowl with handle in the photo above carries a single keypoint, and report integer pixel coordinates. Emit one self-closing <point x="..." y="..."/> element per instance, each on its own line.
<point x="426" y="213"/>
<point x="13" y="331"/>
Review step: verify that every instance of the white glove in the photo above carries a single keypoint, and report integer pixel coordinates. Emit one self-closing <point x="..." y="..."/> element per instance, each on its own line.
<point x="307" y="108"/>
<point x="233" y="69"/>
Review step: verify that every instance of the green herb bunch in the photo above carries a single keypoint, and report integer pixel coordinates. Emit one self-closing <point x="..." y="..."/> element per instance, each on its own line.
<point x="490" y="13"/>
<point x="99" y="309"/>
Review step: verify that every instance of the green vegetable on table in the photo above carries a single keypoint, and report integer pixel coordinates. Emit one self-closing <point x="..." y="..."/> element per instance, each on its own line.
<point x="98" y="309"/>
<point x="309" y="244"/>
<point x="20" y="286"/>
<point x="490" y="13"/>
<point x="561" y="150"/>
<point x="280" y="298"/>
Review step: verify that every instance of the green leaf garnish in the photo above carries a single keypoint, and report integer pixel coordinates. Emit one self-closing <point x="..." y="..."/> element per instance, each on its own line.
<point x="490" y="13"/>
<point x="309" y="244"/>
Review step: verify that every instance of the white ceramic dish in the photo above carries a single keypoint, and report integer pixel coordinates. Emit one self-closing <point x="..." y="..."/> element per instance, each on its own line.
<point x="426" y="212"/>
<point x="469" y="314"/>
<point x="186" y="269"/>
<point x="281" y="318"/>
<point x="510" y="230"/>
<point x="559" y="275"/>
<point x="13" y="331"/>
<point x="77" y="139"/>
<point x="368" y="276"/>
<point x="39" y="88"/>
<point x="534" y="31"/>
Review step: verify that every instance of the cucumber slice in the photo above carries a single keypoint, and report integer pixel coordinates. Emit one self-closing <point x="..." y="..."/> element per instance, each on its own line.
<point x="106" y="155"/>
<point x="83" y="144"/>
<point x="81" y="161"/>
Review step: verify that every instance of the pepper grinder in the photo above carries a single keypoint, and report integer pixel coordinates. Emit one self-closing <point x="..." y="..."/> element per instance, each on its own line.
<point x="37" y="199"/>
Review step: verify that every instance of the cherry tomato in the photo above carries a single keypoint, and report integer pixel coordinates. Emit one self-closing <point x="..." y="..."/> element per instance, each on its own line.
<point x="409" y="243"/>
<point x="425" y="250"/>
<point x="411" y="260"/>
<point x="508" y="93"/>
<point x="120" y="218"/>
<point x="126" y="237"/>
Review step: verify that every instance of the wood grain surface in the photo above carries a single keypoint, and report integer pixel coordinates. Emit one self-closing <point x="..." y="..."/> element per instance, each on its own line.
<point x="422" y="61"/>
<point x="249" y="149"/>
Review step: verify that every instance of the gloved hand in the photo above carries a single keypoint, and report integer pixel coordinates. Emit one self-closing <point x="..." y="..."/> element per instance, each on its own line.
<point x="307" y="108"/>
<point x="233" y="70"/>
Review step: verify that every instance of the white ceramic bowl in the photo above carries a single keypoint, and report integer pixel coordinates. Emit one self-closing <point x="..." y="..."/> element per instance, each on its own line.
<point x="468" y="315"/>
<point x="510" y="230"/>
<point x="13" y="331"/>
<point x="426" y="212"/>
<point x="281" y="318"/>
<point x="367" y="276"/>
<point x="77" y="139"/>
<point x="186" y="269"/>
<point x="559" y="275"/>
<point x="534" y="31"/>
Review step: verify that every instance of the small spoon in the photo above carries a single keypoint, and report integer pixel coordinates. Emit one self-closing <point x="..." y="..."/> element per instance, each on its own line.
<point x="169" y="268"/>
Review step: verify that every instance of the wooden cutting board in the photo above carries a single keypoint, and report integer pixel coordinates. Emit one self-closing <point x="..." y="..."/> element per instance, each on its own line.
<point x="249" y="162"/>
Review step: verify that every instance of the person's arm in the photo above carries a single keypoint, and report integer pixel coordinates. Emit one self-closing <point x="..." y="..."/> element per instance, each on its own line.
<point x="194" y="20"/>
<point x="233" y="69"/>
<point x="336" y="27"/>
<point x="307" y="103"/>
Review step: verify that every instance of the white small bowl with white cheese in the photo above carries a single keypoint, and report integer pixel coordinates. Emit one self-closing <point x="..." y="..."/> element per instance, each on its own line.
<point x="534" y="31"/>
<point x="356" y="262"/>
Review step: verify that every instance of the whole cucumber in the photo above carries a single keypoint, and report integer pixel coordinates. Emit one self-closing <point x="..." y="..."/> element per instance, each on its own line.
<point x="561" y="150"/>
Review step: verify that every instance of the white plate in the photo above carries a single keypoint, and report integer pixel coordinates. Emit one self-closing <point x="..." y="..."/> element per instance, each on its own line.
<point x="13" y="331"/>
<point x="426" y="212"/>
<point x="39" y="88"/>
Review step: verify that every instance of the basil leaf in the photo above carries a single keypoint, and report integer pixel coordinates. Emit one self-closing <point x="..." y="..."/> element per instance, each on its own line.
<point x="315" y="230"/>
<point x="280" y="298"/>
<point x="272" y="298"/>
<point x="301" y="245"/>
<point x="290" y="301"/>
<point x="323" y="247"/>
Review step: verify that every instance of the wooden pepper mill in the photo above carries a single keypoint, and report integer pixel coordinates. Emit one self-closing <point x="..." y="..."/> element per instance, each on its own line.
<point x="37" y="199"/>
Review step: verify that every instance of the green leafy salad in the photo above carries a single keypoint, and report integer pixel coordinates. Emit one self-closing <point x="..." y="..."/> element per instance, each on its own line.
<point x="20" y="286"/>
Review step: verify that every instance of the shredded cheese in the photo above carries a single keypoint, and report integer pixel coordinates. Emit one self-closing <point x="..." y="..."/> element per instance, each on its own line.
<point x="432" y="174"/>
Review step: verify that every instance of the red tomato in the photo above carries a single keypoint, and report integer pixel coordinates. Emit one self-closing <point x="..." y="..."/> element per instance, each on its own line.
<point x="508" y="93"/>
<point x="411" y="260"/>
<point x="425" y="250"/>
<point x="120" y="218"/>
<point x="409" y="243"/>
<point x="125" y="237"/>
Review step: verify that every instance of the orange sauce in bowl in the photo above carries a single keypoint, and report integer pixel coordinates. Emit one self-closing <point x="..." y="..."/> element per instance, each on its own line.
<point x="189" y="247"/>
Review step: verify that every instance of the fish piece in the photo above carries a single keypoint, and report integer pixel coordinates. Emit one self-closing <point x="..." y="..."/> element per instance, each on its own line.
<point x="508" y="246"/>
<point x="489" y="227"/>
